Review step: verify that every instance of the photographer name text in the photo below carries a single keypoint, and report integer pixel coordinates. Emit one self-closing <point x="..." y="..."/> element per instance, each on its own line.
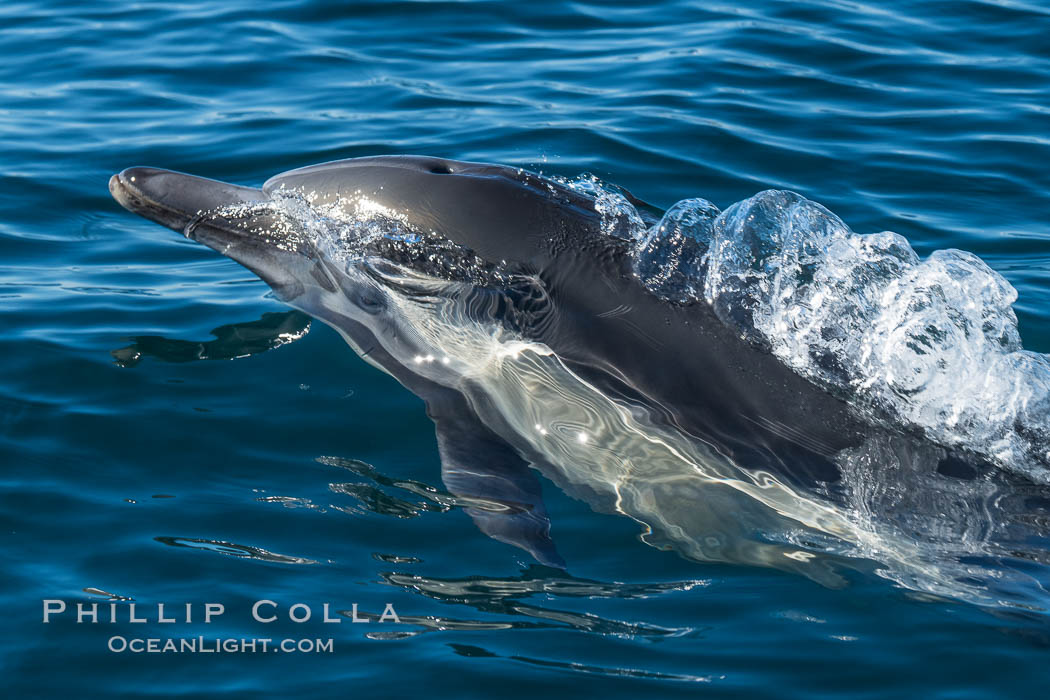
<point x="263" y="611"/>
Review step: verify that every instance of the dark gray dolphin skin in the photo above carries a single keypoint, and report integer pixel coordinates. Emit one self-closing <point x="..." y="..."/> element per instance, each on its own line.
<point x="682" y="364"/>
<point x="602" y="320"/>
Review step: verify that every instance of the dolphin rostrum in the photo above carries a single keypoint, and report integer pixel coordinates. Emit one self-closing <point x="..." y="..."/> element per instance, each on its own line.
<point x="499" y="297"/>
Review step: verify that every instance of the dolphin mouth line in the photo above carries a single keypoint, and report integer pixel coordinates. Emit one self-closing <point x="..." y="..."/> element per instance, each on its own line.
<point x="124" y="190"/>
<point x="197" y="208"/>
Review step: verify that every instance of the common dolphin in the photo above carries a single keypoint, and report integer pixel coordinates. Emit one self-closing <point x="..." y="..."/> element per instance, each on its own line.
<point x="496" y="296"/>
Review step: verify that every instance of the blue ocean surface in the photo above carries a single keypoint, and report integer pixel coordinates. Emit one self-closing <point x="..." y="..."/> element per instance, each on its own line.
<point x="170" y="433"/>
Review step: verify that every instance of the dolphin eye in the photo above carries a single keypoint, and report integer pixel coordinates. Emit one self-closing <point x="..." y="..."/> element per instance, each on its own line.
<point x="369" y="300"/>
<point x="441" y="169"/>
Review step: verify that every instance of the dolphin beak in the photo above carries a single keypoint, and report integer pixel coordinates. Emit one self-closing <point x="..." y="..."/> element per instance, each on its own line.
<point x="205" y="211"/>
<point x="175" y="199"/>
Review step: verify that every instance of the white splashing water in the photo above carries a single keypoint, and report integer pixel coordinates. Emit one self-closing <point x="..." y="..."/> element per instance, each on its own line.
<point x="931" y="343"/>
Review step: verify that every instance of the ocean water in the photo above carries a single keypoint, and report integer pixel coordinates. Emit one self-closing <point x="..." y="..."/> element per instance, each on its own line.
<point x="171" y="433"/>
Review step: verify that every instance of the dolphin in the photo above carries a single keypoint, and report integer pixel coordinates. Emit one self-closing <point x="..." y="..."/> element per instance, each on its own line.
<point x="723" y="387"/>
<point x="497" y="296"/>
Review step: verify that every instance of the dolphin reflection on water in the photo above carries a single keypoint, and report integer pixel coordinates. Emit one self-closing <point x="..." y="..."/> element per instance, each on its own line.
<point x="511" y="304"/>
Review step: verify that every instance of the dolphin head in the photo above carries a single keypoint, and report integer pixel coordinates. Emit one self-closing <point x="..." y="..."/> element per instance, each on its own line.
<point x="501" y="214"/>
<point x="349" y="240"/>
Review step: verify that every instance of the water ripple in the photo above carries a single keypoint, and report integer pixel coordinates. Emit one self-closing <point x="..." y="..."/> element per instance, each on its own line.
<point x="231" y="549"/>
<point x="925" y="118"/>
